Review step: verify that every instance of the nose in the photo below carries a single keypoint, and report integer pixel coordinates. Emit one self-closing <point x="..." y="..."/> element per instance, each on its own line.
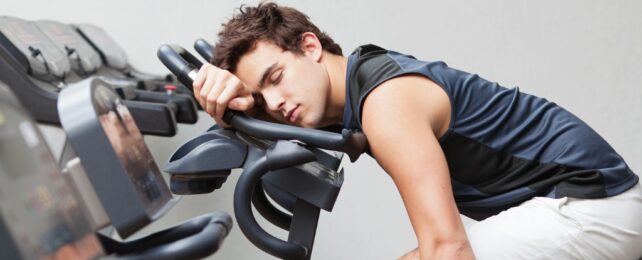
<point x="273" y="100"/>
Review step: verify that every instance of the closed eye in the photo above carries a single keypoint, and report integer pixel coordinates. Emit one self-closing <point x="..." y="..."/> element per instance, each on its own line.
<point x="276" y="77"/>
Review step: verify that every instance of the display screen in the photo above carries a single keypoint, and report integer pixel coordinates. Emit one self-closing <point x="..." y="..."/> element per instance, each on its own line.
<point x="39" y="210"/>
<point x="129" y="146"/>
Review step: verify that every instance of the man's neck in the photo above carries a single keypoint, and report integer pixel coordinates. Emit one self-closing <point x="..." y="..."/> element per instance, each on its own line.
<point x="336" y="67"/>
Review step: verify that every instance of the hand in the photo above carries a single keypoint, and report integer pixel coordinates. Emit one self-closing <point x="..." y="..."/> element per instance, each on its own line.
<point x="217" y="89"/>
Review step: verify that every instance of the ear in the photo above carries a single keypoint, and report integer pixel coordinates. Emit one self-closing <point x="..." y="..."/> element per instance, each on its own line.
<point x="311" y="46"/>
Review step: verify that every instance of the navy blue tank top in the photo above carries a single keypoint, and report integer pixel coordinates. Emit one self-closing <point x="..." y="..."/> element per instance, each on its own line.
<point x="503" y="146"/>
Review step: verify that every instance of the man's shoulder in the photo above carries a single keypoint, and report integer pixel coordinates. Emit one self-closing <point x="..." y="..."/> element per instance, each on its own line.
<point x="368" y="66"/>
<point x="368" y="50"/>
<point x="414" y="97"/>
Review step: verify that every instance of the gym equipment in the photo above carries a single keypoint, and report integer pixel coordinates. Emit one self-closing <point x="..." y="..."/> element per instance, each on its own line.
<point x="40" y="74"/>
<point x="86" y="62"/>
<point x="37" y="70"/>
<point x="43" y="212"/>
<point x="117" y="65"/>
<point x="95" y="120"/>
<point x="283" y="162"/>
<point x="205" y="49"/>
<point x="40" y="215"/>
<point x="104" y="136"/>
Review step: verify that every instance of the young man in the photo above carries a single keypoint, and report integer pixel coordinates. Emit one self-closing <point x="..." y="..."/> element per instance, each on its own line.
<point x="540" y="182"/>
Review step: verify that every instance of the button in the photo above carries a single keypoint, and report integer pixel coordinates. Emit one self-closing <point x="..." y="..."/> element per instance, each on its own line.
<point x="170" y="89"/>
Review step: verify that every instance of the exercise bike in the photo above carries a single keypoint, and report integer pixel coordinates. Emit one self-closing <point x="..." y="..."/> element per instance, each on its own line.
<point x="282" y="162"/>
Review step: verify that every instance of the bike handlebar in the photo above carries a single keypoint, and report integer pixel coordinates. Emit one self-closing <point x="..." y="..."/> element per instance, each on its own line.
<point x="185" y="66"/>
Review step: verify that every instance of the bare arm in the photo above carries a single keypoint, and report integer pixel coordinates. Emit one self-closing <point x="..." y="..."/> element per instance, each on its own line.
<point x="403" y="119"/>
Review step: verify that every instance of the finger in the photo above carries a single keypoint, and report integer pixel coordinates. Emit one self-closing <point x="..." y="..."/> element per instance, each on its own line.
<point x="242" y="103"/>
<point x="210" y="87"/>
<point x="232" y="88"/>
<point x="200" y="79"/>
<point x="213" y="96"/>
<point x="198" y="84"/>
<point x="210" y="78"/>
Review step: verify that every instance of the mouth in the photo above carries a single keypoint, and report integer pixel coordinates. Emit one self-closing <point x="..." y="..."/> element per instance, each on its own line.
<point x="293" y="115"/>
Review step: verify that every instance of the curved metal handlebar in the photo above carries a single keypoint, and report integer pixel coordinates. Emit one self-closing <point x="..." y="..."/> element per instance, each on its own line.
<point x="289" y="154"/>
<point x="198" y="237"/>
<point x="204" y="49"/>
<point x="180" y="62"/>
<point x="351" y="143"/>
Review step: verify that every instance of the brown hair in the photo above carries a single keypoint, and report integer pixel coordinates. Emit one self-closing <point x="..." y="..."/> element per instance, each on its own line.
<point x="279" y="25"/>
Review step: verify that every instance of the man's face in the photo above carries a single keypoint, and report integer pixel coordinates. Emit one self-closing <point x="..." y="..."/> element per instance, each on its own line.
<point x="295" y="87"/>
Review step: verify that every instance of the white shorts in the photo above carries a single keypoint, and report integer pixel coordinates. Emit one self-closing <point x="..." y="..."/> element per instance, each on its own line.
<point x="565" y="228"/>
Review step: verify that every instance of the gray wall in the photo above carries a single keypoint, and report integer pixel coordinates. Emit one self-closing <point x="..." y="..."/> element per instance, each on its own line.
<point x="580" y="54"/>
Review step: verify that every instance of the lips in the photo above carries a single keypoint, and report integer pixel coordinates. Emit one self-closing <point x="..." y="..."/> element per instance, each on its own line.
<point x="293" y="114"/>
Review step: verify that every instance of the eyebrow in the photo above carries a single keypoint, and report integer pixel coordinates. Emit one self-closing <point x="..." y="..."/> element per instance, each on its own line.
<point x="266" y="73"/>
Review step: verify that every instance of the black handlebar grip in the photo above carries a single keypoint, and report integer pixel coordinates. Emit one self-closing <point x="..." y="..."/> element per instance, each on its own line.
<point x="180" y="62"/>
<point x="351" y="143"/>
<point x="204" y="49"/>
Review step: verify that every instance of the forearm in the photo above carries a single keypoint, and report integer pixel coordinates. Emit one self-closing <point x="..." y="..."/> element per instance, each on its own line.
<point x="434" y="216"/>
<point x="451" y="249"/>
